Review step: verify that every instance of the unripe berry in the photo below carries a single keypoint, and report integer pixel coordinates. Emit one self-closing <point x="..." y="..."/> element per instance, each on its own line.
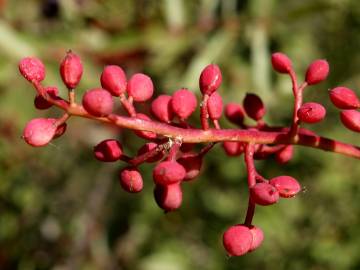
<point x="168" y="197"/>
<point x="168" y="172"/>
<point x="113" y="79"/>
<point x="264" y="194"/>
<point x="161" y="108"/>
<point x="281" y="62"/>
<point x="351" y="119"/>
<point x="311" y="112"/>
<point x="32" y="69"/>
<point x="140" y="87"/>
<point x="98" y="102"/>
<point x="237" y="240"/>
<point x="254" y="107"/>
<point x="192" y="164"/>
<point x="39" y="131"/>
<point x="131" y="180"/>
<point x="183" y="103"/>
<point x="233" y="149"/>
<point x="41" y="103"/>
<point x="215" y="106"/>
<point x="210" y="79"/>
<point x="108" y="150"/>
<point x="317" y="72"/>
<point x="287" y="186"/>
<point x="257" y="237"/>
<point x="148" y="135"/>
<point x="234" y="113"/>
<point x="148" y="147"/>
<point x="344" y="98"/>
<point x="71" y="70"/>
<point x="284" y="155"/>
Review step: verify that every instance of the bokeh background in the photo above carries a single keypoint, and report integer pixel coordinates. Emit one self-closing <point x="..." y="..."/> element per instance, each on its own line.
<point x="60" y="209"/>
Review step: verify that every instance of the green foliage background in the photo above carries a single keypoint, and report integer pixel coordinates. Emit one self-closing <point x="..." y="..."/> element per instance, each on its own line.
<point x="61" y="209"/>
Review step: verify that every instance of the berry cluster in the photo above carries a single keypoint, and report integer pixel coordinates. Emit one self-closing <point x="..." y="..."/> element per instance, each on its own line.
<point x="170" y="139"/>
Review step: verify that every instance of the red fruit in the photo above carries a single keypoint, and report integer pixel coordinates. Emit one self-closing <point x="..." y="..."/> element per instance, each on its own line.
<point x="168" y="172"/>
<point x="108" y="150"/>
<point x="161" y="108"/>
<point x="284" y="155"/>
<point x="147" y="147"/>
<point x="192" y="164"/>
<point x="60" y="130"/>
<point x="41" y="103"/>
<point x="148" y="135"/>
<point x="71" y="70"/>
<point x="237" y="240"/>
<point x="39" y="131"/>
<point x="32" y="69"/>
<point x="234" y="113"/>
<point x="287" y="186"/>
<point x="281" y="62"/>
<point x="98" y="102"/>
<point x="183" y="103"/>
<point x="351" y="119"/>
<point x="317" y="72"/>
<point x="233" y="149"/>
<point x="311" y="112"/>
<point x="168" y="197"/>
<point x="140" y="87"/>
<point x="254" y="107"/>
<point x="264" y="194"/>
<point x="131" y="180"/>
<point x="257" y="237"/>
<point x="215" y="106"/>
<point x="113" y="79"/>
<point x="210" y="79"/>
<point x="344" y="98"/>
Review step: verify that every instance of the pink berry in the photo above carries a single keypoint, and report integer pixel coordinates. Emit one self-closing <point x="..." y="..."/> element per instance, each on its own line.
<point x="183" y="103"/>
<point x="148" y="135"/>
<point x="311" y="112"/>
<point x="60" y="130"/>
<point x="215" y="106"/>
<point x="344" y="98"/>
<point x="264" y="194"/>
<point x="351" y="119"/>
<point x="281" y="62"/>
<point x="210" y="79"/>
<point x="233" y="149"/>
<point x="108" y="150"/>
<point x="168" y="197"/>
<point x="254" y="107"/>
<point x="257" y="237"/>
<point x="113" y="79"/>
<point x="161" y="108"/>
<point x="39" y="131"/>
<point x="317" y="72"/>
<point x="148" y="147"/>
<point x="234" y="113"/>
<point x="32" y="69"/>
<point x="192" y="164"/>
<point x="284" y="155"/>
<point x="98" y="102"/>
<point x="71" y="70"/>
<point x="131" y="180"/>
<point x="140" y="87"/>
<point x="41" y="103"/>
<point x="168" y="172"/>
<point x="287" y="186"/>
<point x="237" y="240"/>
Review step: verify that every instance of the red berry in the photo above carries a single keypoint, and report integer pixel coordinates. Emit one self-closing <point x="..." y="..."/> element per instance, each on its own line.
<point x="39" y="131"/>
<point x="131" y="180"/>
<point x="192" y="164"/>
<point x="264" y="194"/>
<point x="344" y="98"/>
<point x="148" y="135"/>
<point x="108" y="150"/>
<point x="98" y="102"/>
<point x="281" y="62"/>
<point x="32" y="69"/>
<point x="234" y="113"/>
<point x="210" y="79"/>
<point x="233" y="149"/>
<point x="148" y="147"/>
<point x="287" y="186"/>
<point x="215" y="106"/>
<point x="317" y="72"/>
<point x="140" y="87"/>
<point x="257" y="237"/>
<point x="284" y="155"/>
<point x="41" y="103"/>
<point x="60" y="130"/>
<point x="311" y="112"/>
<point x="71" y="70"/>
<point x="183" y="103"/>
<point x="351" y="119"/>
<point x="254" y="107"/>
<point x="168" y="197"/>
<point x="161" y="108"/>
<point x="237" y="240"/>
<point x="113" y="79"/>
<point x="168" y="172"/>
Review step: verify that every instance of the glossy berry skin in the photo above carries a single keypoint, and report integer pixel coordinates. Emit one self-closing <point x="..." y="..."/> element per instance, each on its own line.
<point x="210" y="79"/>
<point x="98" y="102"/>
<point x="41" y="103"/>
<point x="168" y="197"/>
<point x="32" y="69"/>
<point x="281" y="62"/>
<point x="287" y="186"/>
<point x="113" y="79"/>
<point x="311" y="112"/>
<point x="131" y="180"/>
<point x="344" y="98"/>
<point x="237" y="240"/>
<point x="183" y="103"/>
<point x="257" y="237"/>
<point x="234" y="113"/>
<point x="148" y="135"/>
<point x="284" y="155"/>
<point x="108" y="150"/>
<point x="168" y="172"/>
<point x="351" y="119"/>
<point x="317" y="72"/>
<point x="161" y="108"/>
<point x="71" y="70"/>
<point x="215" y="106"/>
<point x="192" y="164"/>
<point x="254" y="107"/>
<point x="140" y="87"/>
<point x="39" y="131"/>
<point x="233" y="149"/>
<point x="264" y="194"/>
<point x="148" y="147"/>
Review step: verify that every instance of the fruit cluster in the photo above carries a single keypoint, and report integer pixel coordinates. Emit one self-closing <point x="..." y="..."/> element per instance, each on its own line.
<point x="170" y="139"/>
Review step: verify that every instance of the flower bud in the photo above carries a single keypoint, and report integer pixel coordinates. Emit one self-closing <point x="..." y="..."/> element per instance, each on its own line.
<point x="168" y="172"/>
<point x="131" y="180"/>
<point x="284" y="155"/>
<point x="344" y="98"/>
<point x="168" y="197"/>
<point x="233" y="149"/>
<point x="32" y="69"/>
<point x="311" y="112"/>
<point x="41" y="103"/>
<point x="161" y="108"/>
<point x="39" y="131"/>
<point x="317" y="72"/>
<point x="234" y="113"/>
<point x="264" y="194"/>
<point x="287" y="186"/>
<point x="183" y="103"/>
<point x="113" y="79"/>
<point x="108" y="150"/>
<point x="237" y="240"/>
<point x="140" y="87"/>
<point x="281" y="62"/>
<point x="98" y="102"/>
<point x="257" y="237"/>
<point x="254" y="107"/>
<point x="71" y="70"/>
<point x="351" y="119"/>
<point x="192" y="164"/>
<point x="210" y="79"/>
<point x="215" y="106"/>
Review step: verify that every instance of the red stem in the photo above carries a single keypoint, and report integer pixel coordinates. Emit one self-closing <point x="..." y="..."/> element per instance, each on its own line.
<point x="251" y="172"/>
<point x="204" y="112"/>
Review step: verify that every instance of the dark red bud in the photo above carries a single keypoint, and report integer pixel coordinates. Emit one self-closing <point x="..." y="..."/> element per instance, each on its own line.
<point x="264" y="194"/>
<point x="108" y="150"/>
<point x="351" y="119"/>
<point x="131" y="180"/>
<point x="113" y="79"/>
<point x="168" y="172"/>
<point x="210" y="79"/>
<point x="281" y="62"/>
<point x="183" y="103"/>
<point x="98" y="102"/>
<point x="311" y="112"/>
<point x="254" y="107"/>
<point x="287" y="186"/>
<point x="344" y="98"/>
<point x="234" y="113"/>
<point x="71" y="70"/>
<point x="168" y="197"/>
<point x="317" y="72"/>
<point x="237" y="240"/>
<point x="215" y="106"/>
<point x="140" y="87"/>
<point x="161" y="108"/>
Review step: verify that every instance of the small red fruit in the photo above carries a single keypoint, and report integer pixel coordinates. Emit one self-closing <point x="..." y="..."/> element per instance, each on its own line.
<point x="161" y="108"/>
<point x="344" y="98"/>
<point x="287" y="186"/>
<point x="183" y="103"/>
<point x="234" y="113"/>
<point x="351" y="119"/>
<point x="108" y="150"/>
<point x="264" y="194"/>
<point x="60" y="130"/>
<point x="317" y="72"/>
<point x="131" y="180"/>
<point x="41" y="103"/>
<point x="281" y="62"/>
<point x="113" y="79"/>
<point x="210" y="79"/>
<point x="39" y="131"/>
<point x="237" y="240"/>
<point x="98" y="102"/>
<point x="257" y="237"/>
<point x="168" y="172"/>
<point x="71" y="70"/>
<point x="140" y="87"/>
<point x="192" y="164"/>
<point x="215" y="106"/>
<point x="254" y="107"/>
<point x="32" y="69"/>
<point x="168" y="197"/>
<point x="284" y="155"/>
<point x="311" y="112"/>
<point x="233" y="149"/>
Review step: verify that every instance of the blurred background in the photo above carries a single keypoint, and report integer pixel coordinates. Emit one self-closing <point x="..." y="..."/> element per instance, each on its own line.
<point x="61" y="209"/>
